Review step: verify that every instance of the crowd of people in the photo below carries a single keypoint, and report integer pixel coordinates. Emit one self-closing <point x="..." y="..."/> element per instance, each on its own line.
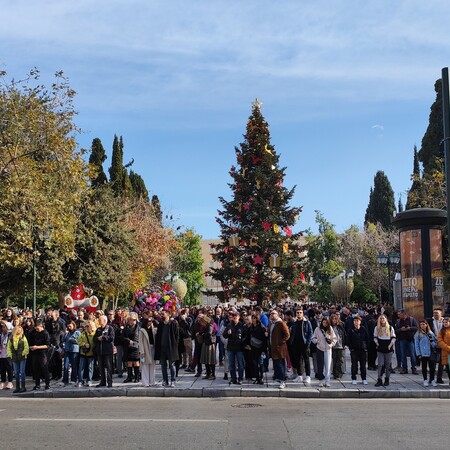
<point x="78" y="347"/>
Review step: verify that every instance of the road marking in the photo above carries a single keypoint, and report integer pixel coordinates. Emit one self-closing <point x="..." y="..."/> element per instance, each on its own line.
<point x="94" y="419"/>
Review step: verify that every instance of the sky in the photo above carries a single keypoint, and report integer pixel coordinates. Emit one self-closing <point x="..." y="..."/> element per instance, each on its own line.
<point x="346" y="87"/>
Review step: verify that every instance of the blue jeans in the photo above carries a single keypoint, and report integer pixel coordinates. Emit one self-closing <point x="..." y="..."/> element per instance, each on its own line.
<point x="70" y="359"/>
<point x="19" y="370"/>
<point x="232" y="356"/>
<point x="89" y="362"/>
<point x="279" y="369"/>
<point x="165" y="358"/>
<point x="405" y="348"/>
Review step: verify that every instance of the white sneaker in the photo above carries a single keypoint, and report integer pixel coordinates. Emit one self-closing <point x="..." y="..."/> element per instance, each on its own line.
<point x="282" y="385"/>
<point x="9" y="385"/>
<point x="172" y="384"/>
<point x="2" y="386"/>
<point x="320" y="384"/>
<point x="308" y="380"/>
<point x="365" y="382"/>
<point x="354" y="382"/>
<point x="276" y="383"/>
<point x="297" y="379"/>
<point x="327" y="385"/>
<point x="425" y="383"/>
<point x="433" y="383"/>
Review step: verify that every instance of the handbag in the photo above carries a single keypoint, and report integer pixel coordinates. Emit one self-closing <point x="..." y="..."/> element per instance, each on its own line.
<point x="255" y="342"/>
<point x="435" y="355"/>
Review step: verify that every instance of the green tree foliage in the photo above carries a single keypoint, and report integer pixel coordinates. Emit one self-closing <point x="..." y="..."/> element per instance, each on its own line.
<point x="381" y="202"/>
<point x="105" y="247"/>
<point x="156" y="206"/>
<point x="138" y="186"/>
<point x="43" y="179"/>
<point x="432" y="149"/>
<point x="116" y="171"/>
<point x="96" y="160"/>
<point x="358" y="250"/>
<point x="322" y="260"/>
<point x="187" y="261"/>
<point x="256" y="224"/>
<point x="428" y="189"/>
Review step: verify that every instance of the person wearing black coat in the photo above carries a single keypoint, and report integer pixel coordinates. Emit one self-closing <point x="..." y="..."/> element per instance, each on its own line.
<point x="258" y="348"/>
<point x="130" y="340"/>
<point x="358" y="343"/>
<point x="166" y="347"/>
<point x="103" y="349"/>
<point x="39" y="343"/>
<point x="235" y="332"/>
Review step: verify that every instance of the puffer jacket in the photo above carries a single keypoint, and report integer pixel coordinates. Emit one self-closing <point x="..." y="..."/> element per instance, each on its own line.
<point x="444" y="343"/>
<point x="320" y="339"/>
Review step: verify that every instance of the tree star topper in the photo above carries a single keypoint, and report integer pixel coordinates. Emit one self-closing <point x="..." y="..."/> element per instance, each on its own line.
<point x="257" y="104"/>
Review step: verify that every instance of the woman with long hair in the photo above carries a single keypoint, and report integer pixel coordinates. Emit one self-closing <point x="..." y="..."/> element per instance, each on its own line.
<point x="425" y="343"/>
<point x="337" y="351"/>
<point x="130" y="338"/>
<point x="444" y="343"/>
<point x="17" y="352"/>
<point x="325" y="338"/>
<point x="86" y="344"/>
<point x="147" y="336"/>
<point x="384" y="338"/>
<point x="71" y="352"/>
<point x="6" y="371"/>
<point x="258" y="348"/>
<point x="208" y="354"/>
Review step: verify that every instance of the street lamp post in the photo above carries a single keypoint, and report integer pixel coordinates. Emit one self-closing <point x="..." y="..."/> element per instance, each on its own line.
<point x="392" y="259"/>
<point x="39" y="235"/>
<point x="346" y="275"/>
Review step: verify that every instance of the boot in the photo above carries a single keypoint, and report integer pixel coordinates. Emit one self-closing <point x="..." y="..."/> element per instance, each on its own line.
<point x="22" y="387"/>
<point x="129" y="377"/>
<point x="386" y="381"/>
<point x="17" y="389"/>
<point x="379" y="382"/>
<point x="136" y="375"/>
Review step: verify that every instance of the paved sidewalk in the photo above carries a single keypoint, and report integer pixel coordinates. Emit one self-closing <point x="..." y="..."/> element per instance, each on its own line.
<point x="187" y="385"/>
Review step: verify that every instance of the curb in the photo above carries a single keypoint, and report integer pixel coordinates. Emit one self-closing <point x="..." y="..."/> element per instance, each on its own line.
<point x="208" y="392"/>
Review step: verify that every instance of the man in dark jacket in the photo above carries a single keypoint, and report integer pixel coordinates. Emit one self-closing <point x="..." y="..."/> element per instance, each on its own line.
<point x="56" y="328"/>
<point x="405" y="329"/>
<point x="301" y="334"/>
<point x="236" y="334"/>
<point x="358" y="343"/>
<point x="103" y="347"/>
<point x="166" y="346"/>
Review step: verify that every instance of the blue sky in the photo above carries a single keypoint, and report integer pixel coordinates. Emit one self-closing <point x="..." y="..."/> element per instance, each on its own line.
<point x="346" y="88"/>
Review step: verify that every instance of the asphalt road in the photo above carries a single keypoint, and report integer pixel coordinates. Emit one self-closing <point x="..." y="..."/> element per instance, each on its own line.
<point x="221" y="423"/>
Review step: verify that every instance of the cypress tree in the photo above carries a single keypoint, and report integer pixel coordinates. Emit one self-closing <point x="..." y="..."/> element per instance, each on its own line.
<point x="432" y="149"/>
<point x="156" y="206"/>
<point x="96" y="159"/>
<point x="415" y="193"/>
<point x="381" y="202"/>
<point x="138" y="186"/>
<point x="116" y="171"/>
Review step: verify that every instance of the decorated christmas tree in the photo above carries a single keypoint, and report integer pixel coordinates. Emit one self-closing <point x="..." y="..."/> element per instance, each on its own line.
<point x="259" y="255"/>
